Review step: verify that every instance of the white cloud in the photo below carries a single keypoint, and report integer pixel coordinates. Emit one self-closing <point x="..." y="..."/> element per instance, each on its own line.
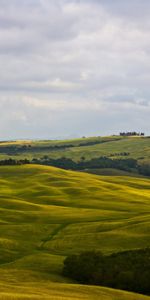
<point x="74" y="57"/>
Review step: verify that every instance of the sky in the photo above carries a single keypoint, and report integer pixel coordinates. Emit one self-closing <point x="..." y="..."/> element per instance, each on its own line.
<point x="71" y="68"/>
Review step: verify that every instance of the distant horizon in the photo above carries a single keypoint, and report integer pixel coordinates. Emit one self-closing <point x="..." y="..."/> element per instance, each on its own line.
<point x="64" y="137"/>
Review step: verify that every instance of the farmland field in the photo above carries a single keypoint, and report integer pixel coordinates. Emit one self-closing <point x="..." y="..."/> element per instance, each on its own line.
<point x="113" y="146"/>
<point x="48" y="213"/>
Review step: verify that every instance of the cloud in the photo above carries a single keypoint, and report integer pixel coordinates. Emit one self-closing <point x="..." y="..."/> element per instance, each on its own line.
<point x="71" y="59"/>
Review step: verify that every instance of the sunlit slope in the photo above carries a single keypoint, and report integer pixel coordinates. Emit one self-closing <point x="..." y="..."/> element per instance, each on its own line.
<point x="47" y="213"/>
<point x="55" y="291"/>
<point x="62" y="210"/>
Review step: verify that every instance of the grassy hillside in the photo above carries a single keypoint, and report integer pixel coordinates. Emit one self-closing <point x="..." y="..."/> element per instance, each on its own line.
<point x="136" y="147"/>
<point x="113" y="146"/>
<point x="55" y="291"/>
<point x="112" y="172"/>
<point x="48" y="213"/>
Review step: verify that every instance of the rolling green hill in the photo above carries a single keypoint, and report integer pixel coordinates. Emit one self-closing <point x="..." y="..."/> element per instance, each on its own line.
<point x="55" y="291"/>
<point x="113" y="146"/>
<point x="47" y="213"/>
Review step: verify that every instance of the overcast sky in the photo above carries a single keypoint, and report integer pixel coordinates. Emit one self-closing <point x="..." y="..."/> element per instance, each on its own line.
<point x="74" y="67"/>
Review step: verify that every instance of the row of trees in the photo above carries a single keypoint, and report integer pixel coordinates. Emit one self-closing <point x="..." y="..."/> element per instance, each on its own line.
<point x="128" y="270"/>
<point x="95" y="163"/>
<point x="128" y="164"/>
<point x="132" y="133"/>
<point x="13" y="162"/>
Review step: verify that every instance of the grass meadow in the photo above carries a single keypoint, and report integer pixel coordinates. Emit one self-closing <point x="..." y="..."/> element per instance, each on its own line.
<point x="48" y="213"/>
<point x="113" y="146"/>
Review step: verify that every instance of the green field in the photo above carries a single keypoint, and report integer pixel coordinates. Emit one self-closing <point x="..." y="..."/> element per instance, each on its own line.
<point x="48" y="213"/>
<point x="113" y="146"/>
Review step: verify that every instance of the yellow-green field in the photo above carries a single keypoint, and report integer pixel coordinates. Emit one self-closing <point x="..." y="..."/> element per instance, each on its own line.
<point x="111" y="146"/>
<point x="48" y="213"/>
<point x="59" y="291"/>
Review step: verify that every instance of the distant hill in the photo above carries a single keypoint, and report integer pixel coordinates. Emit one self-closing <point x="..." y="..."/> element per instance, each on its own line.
<point x="114" y="146"/>
<point x="118" y="150"/>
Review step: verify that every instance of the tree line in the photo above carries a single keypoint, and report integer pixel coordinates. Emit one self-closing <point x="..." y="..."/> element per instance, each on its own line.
<point x="14" y="162"/>
<point x="132" y="133"/>
<point x="128" y="164"/>
<point x="128" y="270"/>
